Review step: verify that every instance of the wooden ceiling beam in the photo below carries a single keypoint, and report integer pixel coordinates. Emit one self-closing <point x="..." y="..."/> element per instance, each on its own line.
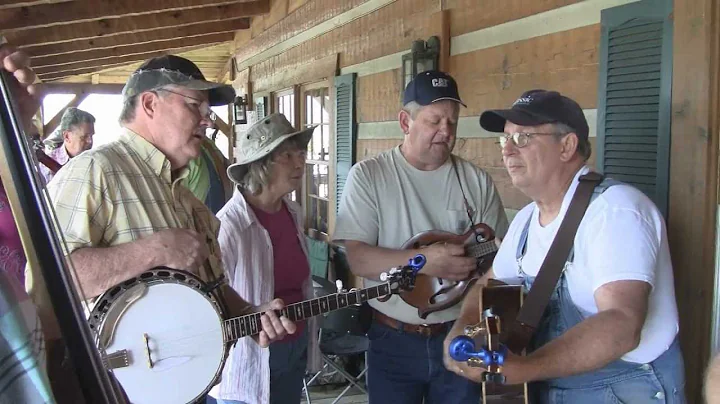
<point x="106" y="42"/>
<point x="81" y="88"/>
<point x="47" y="15"/>
<point x="5" y="4"/>
<point x="54" y="73"/>
<point x="137" y="24"/>
<point x="39" y="63"/>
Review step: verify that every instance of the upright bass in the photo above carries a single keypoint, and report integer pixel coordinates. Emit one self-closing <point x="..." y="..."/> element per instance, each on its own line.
<point x="36" y="227"/>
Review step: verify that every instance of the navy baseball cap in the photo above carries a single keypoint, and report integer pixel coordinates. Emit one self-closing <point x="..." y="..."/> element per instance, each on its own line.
<point x="537" y="107"/>
<point x="432" y="86"/>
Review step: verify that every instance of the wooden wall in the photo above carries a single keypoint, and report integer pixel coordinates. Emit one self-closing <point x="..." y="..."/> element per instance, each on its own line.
<point x="501" y="48"/>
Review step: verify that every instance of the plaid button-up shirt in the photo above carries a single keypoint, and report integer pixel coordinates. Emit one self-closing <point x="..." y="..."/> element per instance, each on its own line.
<point x="121" y="192"/>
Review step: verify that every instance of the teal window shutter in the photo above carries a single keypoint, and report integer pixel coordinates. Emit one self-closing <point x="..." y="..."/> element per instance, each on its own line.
<point x="634" y="89"/>
<point x="345" y="131"/>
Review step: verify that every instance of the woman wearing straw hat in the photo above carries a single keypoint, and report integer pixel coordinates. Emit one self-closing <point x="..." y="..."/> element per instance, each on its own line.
<point x="265" y="257"/>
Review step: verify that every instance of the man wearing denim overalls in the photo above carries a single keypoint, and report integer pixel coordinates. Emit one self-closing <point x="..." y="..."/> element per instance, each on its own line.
<point x="609" y="332"/>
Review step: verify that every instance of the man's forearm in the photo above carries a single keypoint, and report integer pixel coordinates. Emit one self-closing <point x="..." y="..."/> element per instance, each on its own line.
<point x="236" y="305"/>
<point x="590" y="345"/>
<point x="99" y="268"/>
<point x="370" y="261"/>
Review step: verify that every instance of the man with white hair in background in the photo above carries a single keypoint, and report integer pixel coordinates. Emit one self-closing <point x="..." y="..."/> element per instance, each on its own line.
<point x="73" y="136"/>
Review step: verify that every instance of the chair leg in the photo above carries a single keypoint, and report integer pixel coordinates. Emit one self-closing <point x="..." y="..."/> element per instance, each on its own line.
<point x="307" y="392"/>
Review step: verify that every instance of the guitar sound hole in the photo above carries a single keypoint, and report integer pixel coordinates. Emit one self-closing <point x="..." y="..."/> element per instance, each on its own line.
<point x="163" y="274"/>
<point x="146" y="275"/>
<point x="179" y="277"/>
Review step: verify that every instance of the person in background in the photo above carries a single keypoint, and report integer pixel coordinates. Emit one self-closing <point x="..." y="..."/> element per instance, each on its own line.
<point x="73" y="136"/>
<point x="207" y="178"/>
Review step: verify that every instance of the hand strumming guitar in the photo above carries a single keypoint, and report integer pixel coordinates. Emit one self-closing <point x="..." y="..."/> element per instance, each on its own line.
<point x="447" y="261"/>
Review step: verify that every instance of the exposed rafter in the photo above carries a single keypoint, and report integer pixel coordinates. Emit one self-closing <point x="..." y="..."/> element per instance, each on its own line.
<point x="43" y="63"/>
<point x="47" y="15"/>
<point x="5" y="4"/>
<point x="133" y="25"/>
<point x="81" y="88"/>
<point x="106" y="42"/>
<point x="102" y="41"/>
<point x="57" y="72"/>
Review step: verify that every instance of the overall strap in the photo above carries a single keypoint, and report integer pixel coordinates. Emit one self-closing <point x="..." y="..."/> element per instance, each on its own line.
<point x="522" y="242"/>
<point x="534" y="306"/>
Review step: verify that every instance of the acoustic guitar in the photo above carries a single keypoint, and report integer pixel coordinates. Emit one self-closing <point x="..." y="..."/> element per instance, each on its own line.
<point x="432" y="294"/>
<point x="482" y="345"/>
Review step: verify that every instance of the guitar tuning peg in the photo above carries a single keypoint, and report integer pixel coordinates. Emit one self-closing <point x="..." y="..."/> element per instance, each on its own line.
<point x="384" y="276"/>
<point x="339" y="285"/>
<point x="473" y="330"/>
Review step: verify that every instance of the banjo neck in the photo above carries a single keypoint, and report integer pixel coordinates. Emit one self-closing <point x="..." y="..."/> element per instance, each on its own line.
<point x="238" y="327"/>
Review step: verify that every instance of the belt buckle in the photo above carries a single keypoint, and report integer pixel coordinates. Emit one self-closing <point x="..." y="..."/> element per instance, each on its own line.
<point x="424" y="330"/>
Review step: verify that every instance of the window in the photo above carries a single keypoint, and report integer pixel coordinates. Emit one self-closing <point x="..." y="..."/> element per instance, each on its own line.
<point x="285" y="104"/>
<point x="316" y="104"/>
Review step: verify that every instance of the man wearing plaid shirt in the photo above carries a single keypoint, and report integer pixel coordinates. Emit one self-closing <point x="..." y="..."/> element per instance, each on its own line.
<point x="121" y="206"/>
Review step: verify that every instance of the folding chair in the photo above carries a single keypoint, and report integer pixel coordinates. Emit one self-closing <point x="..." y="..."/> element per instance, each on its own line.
<point x="341" y="335"/>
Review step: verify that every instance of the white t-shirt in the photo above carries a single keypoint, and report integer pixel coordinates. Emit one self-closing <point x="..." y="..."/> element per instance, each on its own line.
<point x="386" y="201"/>
<point x="621" y="237"/>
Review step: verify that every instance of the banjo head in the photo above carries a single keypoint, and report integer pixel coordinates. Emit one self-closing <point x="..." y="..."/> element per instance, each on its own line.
<point x="171" y="331"/>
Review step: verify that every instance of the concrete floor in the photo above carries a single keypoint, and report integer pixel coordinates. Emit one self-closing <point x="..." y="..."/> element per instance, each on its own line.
<point x="326" y="394"/>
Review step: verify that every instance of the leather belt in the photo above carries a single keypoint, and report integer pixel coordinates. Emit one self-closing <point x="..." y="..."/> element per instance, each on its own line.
<point x="427" y="330"/>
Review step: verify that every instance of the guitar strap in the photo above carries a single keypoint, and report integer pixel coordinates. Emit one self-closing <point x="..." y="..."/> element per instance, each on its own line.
<point x="532" y="310"/>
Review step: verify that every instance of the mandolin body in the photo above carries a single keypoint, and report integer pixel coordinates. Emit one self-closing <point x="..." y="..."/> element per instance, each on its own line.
<point x="432" y="294"/>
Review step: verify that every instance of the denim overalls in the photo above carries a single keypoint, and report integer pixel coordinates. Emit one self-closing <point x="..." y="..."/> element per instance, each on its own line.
<point x="660" y="381"/>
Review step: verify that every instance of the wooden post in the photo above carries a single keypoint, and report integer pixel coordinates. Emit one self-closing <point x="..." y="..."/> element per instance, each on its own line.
<point x="694" y="179"/>
<point x="444" y="60"/>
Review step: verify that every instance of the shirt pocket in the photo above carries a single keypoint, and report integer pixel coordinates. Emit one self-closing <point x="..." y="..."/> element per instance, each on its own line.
<point x="457" y="221"/>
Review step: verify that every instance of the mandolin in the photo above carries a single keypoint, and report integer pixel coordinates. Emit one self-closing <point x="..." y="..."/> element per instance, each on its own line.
<point x="432" y="294"/>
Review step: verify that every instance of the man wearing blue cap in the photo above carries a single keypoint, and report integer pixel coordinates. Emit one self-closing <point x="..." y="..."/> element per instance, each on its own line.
<point x="609" y="332"/>
<point x="415" y="187"/>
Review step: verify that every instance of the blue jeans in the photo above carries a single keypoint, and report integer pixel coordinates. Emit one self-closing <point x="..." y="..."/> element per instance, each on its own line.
<point x="408" y="368"/>
<point x="288" y="361"/>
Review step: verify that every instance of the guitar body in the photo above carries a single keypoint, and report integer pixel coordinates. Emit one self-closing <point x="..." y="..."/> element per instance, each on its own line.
<point x="432" y="294"/>
<point x="505" y="301"/>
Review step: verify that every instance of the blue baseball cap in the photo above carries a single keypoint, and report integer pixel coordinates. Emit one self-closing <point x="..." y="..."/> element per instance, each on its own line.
<point x="537" y="107"/>
<point x="432" y="86"/>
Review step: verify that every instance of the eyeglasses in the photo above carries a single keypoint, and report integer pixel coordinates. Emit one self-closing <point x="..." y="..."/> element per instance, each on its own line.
<point x="520" y="139"/>
<point x="203" y="108"/>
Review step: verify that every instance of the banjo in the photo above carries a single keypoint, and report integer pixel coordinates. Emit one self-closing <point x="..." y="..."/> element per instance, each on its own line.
<point x="166" y="337"/>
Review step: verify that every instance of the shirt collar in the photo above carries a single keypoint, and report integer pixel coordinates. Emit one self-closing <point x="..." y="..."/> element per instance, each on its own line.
<point x="151" y="156"/>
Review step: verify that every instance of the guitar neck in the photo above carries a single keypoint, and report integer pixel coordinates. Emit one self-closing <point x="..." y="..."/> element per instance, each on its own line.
<point x="238" y="327"/>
